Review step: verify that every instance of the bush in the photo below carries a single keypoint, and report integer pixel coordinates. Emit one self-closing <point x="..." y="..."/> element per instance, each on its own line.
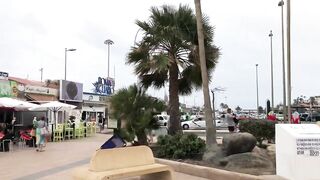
<point x="261" y="129"/>
<point x="180" y="146"/>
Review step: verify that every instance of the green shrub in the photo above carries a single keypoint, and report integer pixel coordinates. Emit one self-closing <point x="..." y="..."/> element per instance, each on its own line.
<point x="261" y="129"/>
<point x="180" y="146"/>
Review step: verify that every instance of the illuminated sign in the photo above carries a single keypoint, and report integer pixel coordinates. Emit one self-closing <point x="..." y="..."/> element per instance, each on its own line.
<point x="104" y="86"/>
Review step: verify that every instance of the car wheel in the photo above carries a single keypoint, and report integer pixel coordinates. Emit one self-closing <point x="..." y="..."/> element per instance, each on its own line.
<point x="185" y="126"/>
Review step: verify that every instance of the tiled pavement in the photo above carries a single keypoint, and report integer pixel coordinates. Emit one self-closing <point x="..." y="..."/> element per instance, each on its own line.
<point x="56" y="162"/>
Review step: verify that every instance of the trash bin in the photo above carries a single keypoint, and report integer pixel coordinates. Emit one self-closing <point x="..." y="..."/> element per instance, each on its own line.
<point x="114" y="142"/>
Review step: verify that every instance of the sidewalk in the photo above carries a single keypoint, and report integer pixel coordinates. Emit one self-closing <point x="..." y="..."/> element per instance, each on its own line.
<point x="57" y="161"/>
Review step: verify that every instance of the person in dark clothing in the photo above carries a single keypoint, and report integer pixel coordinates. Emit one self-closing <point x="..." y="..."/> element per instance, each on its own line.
<point x="5" y="135"/>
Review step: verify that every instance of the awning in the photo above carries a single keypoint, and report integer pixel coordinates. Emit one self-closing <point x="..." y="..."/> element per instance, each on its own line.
<point x="40" y="97"/>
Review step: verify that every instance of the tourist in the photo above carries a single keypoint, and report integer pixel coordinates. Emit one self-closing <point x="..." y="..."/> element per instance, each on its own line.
<point x="229" y="120"/>
<point x="41" y="132"/>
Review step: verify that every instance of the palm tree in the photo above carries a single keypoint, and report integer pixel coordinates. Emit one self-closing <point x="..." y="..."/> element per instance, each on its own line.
<point x="169" y="52"/>
<point x="136" y="109"/>
<point x="211" y="142"/>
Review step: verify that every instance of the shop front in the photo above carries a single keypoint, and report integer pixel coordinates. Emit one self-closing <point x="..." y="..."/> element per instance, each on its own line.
<point x="95" y="107"/>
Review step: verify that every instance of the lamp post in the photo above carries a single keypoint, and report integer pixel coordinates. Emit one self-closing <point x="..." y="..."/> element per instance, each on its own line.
<point x="281" y="3"/>
<point x="41" y="70"/>
<point x="257" y="83"/>
<point x="65" y="61"/>
<point x="289" y="59"/>
<point x="272" y="97"/>
<point x="108" y="42"/>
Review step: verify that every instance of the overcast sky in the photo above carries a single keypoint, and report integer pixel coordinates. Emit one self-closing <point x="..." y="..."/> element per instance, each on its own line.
<point x="34" y="33"/>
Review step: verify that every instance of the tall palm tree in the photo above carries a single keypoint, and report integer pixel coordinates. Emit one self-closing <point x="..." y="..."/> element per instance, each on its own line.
<point x="136" y="109"/>
<point x="169" y="52"/>
<point x="211" y="142"/>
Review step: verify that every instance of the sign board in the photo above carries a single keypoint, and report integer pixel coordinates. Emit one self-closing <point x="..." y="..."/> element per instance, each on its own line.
<point x="90" y="97"/>
<point x="40" y="90"/>
<point x="8" y="88"/>
<point x="298" y="147"/>
<point x="104" y="86"/>
<point x="71" y="91"/>
<point x="4" y="75"/>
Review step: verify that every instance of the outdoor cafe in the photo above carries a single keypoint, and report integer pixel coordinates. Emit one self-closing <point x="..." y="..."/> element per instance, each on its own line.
<point x="16" y="123"/>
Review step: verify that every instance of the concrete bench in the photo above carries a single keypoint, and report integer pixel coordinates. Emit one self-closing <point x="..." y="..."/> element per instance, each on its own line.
<point x="123" y="162"/>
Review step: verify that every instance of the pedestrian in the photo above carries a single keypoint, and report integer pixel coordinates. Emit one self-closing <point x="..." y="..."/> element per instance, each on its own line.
<point x="229" y="119"/>
<point x="41" y="132"/>
<point x="271" y="116"/>
<point x="236" y="122"/>
<point x="295" y="118"/>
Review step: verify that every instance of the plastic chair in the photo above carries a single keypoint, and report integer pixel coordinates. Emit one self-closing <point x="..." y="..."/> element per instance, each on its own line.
<point x="23" y="139"/>
<point x="93" y="128"/>
<point x="58" y="133"/>
<point x="79" y="131"/>
<point x="89" y="129"/>
<point x="68" y="131"/>
<point x="4" y="143"/>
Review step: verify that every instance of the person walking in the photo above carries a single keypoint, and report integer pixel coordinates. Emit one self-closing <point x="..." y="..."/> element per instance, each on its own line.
<point x="229" y="119"/>
<point x="41" y="132"/>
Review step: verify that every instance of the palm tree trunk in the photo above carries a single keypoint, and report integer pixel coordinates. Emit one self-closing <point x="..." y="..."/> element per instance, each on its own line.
<point x="211" y="142"/>
<point x="174" y="122"/>
<point x="142" y="138"/>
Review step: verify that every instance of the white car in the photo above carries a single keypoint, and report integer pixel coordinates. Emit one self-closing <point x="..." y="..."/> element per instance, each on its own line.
<point x="200" y="123"/>
<point x="162" y="119"/>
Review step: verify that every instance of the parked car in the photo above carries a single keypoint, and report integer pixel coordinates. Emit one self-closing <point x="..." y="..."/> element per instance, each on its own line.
<point x="279" y="117"/>
<point x="200" y="123"/>
<point x="162" y="119"/>
<point x="313" y="117"/>
<point x="303" y="116"/>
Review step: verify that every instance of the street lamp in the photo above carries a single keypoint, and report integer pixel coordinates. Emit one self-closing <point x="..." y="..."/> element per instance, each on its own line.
<point x="257" y="83"/>
<point x="272" y="97"/>
<point x="289" y="59"/>
<point x="108" y="42"/>
<point x="281" y="3"/>
<point x="65" y="61"/>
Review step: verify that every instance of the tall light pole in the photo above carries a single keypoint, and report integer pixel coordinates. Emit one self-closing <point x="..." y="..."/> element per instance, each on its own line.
<point x="257" y="83"/>
<point x="289" y="59"/>
<point x="108" y="42"/>
<point x="65" y="61"/>
<point x="281" y="3"/>
<point x="41" y="70"/>
<point x="272" y="97"/>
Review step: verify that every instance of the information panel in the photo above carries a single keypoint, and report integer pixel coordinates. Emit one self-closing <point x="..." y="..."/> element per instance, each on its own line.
<point x="298" y="147"/>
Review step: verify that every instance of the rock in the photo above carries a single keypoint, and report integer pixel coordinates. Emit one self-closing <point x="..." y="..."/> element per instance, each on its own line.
<point x="238" y="143"/>
<point x="247" y="160"/>
<point x="260" y="151"/>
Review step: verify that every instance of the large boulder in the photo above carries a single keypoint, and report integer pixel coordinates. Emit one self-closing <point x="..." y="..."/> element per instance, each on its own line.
<point x="235" y="143"/>
<point x="251" y="162"/>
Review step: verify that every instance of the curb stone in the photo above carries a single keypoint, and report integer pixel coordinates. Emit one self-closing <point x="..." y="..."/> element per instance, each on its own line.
<point x="212" y="173"/>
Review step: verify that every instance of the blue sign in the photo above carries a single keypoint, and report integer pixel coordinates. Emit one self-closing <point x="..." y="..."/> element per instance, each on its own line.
<point x="104" y="86"/>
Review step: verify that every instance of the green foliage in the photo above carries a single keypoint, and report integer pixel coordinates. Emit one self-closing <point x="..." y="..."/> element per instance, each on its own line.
<point x="170" y="38"/>
<point x="180" y="146"/>
<point x="136" y="109"/>
<point x="169" y="52"/>
<point x="261" y="129"/>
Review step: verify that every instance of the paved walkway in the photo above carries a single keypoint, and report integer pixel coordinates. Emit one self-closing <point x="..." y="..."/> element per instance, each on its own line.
<point x="56" y="162"/>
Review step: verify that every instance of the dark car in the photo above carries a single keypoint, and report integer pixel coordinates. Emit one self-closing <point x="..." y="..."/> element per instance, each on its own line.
<point x="313" y="117"/>
<point x="303" y="116"/>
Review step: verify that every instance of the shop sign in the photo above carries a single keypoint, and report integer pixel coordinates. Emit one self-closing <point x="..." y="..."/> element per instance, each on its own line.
<point x="104" y="86"/>
<point x="4" y="75"/>
<point x="40" y="90"/>
<point x="8" y="88"/>
<point x="90" y="97"/>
